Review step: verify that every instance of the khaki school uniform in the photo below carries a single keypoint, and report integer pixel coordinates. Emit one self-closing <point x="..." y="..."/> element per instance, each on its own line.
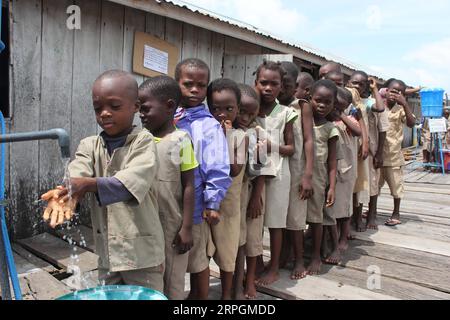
<point x="175" y="155"/>
<point x="346" y="177"/>
<point x="393" y="159"/>
<point x="277" y="195"/>
<point x="296" y="218"/>
<point x="316" y="203"/>
<point x="362" y="180"/>
<point x="225" y="234"/>
<point x="377" y="122"/>
<point x="128" y="235"/>
<point x="251" y="233"/>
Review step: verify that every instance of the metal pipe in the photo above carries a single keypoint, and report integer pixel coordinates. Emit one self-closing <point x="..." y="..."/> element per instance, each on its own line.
<point x="57" y="134"/>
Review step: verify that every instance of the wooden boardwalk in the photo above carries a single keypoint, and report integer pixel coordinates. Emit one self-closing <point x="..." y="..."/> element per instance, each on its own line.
<point x="413" y="258"/>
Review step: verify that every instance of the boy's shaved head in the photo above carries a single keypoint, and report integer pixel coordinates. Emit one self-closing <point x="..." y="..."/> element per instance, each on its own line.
<point x="127" y="81"/>
<point x="290" y="68"/>
<point x="305" y="79"/>
<point x="192" y="63"/>
<point x="329" y="67"/>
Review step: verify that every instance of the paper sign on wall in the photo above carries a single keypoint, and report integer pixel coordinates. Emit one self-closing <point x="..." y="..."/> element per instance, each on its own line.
<point x="437" y="125"/>
<point x="156" y="60"/>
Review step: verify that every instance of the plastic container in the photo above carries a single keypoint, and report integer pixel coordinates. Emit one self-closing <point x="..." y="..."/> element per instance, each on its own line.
<point x="115" y="293"/>
<point x="431" y="100"/>
<point x="446" y="159"/>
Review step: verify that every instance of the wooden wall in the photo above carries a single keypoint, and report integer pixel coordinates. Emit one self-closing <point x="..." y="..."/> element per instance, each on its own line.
<point x="52" y="70"/>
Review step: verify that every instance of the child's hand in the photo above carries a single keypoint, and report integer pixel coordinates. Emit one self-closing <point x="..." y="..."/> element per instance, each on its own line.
<point x="364" y="151"/>
<point x="212" y="217"/>
<point x="397" y="96"/>
<point x="183" y="241"/>
<point x="378" y="160"/>
<point x="373" y="84"/>
<point x="358" y="114"/>
<point x="79" y="187"/>
<point x="306" y="189"/>
<point x="255" y="206"/>
<point x="55" y="212"/>
<point x="330" y="198"/>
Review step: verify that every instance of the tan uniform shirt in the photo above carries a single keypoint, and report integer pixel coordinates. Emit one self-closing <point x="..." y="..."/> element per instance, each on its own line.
<point x="392" y="153"/>
<point x="128" y="235"/>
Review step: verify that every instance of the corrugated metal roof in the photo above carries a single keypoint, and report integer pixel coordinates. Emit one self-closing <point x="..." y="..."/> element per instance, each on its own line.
<point x="295" y="44"/>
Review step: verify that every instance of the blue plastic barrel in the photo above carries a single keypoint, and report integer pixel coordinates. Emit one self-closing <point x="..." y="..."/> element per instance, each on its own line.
<point x="431" y="100"/>
<point x="115" y="293"/>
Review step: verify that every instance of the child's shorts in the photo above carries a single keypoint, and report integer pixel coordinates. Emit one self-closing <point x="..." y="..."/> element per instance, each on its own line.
<point x="252" y="229"/>
<point x="374" y="178"/>
<point x="149" y="277"/>
<point x="176" y="266"/>
<point x="225" y="236"/>
<point x="394" y="178"/>
<point x="198" y="259"/>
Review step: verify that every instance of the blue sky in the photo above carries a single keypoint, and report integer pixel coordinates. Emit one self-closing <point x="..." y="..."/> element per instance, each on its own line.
<point x="403" y="39"/>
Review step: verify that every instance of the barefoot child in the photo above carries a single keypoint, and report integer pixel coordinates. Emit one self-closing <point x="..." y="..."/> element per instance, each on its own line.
<point x="301" y="169"/>
<point x="278" y="122"/>
<point x="159" y="98"/>
<point x="252" y="198"/>
<point x="359" y="84"/>
<point x="212" y="177"/>
<point x="120" y="167"/>
<point x="339" y="214"/>
<point x="323" y="96"/>
<point x="224" y="98"/>
<point x="399" y="113"/>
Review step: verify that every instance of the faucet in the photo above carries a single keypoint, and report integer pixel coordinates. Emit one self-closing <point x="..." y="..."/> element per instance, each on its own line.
<point x="60" y="134"/>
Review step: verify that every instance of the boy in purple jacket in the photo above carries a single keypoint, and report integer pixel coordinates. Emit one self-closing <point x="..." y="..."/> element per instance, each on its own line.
<point x="212" y="177"/>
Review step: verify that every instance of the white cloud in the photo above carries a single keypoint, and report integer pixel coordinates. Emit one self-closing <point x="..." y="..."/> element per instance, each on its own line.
<point x="271" y="16"/>
<point x="375" y="18"/>
<point x="435" y="54"/>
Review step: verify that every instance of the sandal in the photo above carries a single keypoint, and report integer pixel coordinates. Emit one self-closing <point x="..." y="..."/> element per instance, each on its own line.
<point x="392" y="222"/>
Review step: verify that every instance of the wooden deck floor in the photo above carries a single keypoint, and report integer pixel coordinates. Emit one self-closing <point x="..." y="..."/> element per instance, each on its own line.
<point x="413" y="258"/>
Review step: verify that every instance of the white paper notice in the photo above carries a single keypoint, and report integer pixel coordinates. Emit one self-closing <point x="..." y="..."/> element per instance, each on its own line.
<point x="156" y="60"/>
<point x="437" y="125"/>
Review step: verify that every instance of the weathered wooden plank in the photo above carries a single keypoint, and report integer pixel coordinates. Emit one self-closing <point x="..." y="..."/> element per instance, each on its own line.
<point x="155" y="25"/>
<point x="86" y="280"/>
<point x="190" y="41"/>
<point x="86" y="68"/>
<point x="416" y="242"/>
<point x="252" y="62"/>
<point x="59" y="252"/>
<point x="235" y="46"/>
<point x="429" y="209"/>
<point x="134" y="21"/>
<point x="174" y="33"/>
<point x="37" y="284"/>
<point x="31" y="258"/>
<point x="319" y="288"/>
<point x="80" y="235"/>
<point x="26" y="97"/>
<point x="217" y="52"/>
<point x="111" y="44"/>
<point x="234" y="68"/>
<point x="204" y="45"/>
<point x="56" y="100"/>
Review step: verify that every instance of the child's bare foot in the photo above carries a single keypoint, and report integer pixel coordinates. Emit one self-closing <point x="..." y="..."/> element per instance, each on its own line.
<point x="371" y="224"/>
<point x="360" y="227"/>
<point x="268" y="278"/>
<point x="250" y="291"/>
<point x="299" y="271"/>
<point x="334" y="258"/>
<point x="314" y="267"/>
<point x="343" y="246"/>
<point x="260" y="267"/>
